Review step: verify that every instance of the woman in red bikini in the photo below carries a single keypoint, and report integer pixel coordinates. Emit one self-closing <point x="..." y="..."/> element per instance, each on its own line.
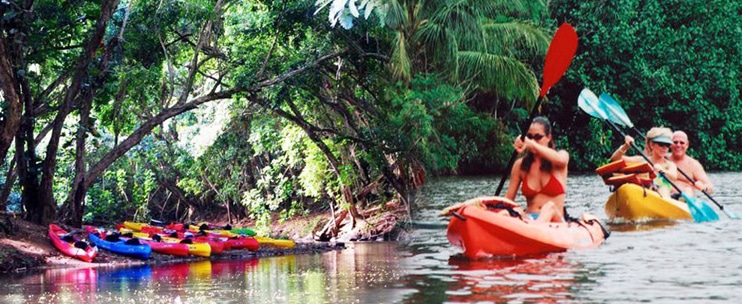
<point x="541" y="173"/>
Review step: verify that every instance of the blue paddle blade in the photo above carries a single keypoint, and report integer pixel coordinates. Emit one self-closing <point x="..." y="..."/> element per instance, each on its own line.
<point x="588" y="102"/>
<point x="614" y="110"/>
<point x="700" y="211"/>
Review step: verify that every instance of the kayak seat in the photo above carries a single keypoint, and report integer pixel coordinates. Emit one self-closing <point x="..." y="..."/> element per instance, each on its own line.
<point x="134" y="241"/>
<point x="67" y="238"/>
<point x="82" y="245"/>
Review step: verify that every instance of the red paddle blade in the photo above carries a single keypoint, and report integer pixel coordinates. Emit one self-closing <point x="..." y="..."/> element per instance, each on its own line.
<point x="561" y="51"/>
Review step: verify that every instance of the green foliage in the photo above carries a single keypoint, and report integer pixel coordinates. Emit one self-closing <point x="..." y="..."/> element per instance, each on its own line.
<point x="122" y="193"/>
<point x="432" y="122"/>
<point x="672" y="63"/>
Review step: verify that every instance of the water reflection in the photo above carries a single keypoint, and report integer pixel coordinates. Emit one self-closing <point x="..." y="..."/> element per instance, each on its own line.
<point x="361" y="274"/>
<point x="640" y="226"/>
<point x="538" y="279"/>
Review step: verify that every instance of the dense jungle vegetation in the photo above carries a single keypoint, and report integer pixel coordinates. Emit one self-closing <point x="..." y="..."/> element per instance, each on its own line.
<point x="183" y="110"/>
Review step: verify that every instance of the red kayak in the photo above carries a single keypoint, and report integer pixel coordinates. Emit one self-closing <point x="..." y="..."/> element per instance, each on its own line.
<point x="70" y="245"/>
<point x="249" y="243"/>
<point x="490" y="226"/>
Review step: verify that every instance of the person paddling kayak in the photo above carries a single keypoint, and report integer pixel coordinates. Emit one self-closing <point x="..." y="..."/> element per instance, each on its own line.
<point x="656" y="146"/>
<point x="541" y="173"/>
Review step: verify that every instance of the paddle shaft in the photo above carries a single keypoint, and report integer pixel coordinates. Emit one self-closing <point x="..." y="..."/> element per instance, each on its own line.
<point x="514" y="155"/>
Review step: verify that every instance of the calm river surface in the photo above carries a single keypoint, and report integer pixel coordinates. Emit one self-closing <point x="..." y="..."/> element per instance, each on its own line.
<point x="680" y="262"/>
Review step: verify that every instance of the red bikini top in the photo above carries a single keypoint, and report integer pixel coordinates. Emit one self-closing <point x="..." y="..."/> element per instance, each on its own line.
<point x="552" y="188"/>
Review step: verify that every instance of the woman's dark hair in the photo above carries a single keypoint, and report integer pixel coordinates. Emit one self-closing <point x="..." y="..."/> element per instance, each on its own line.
<point x="528" y="159"/>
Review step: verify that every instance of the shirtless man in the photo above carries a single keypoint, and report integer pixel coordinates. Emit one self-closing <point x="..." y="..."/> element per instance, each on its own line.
<point x="689" y="165"/>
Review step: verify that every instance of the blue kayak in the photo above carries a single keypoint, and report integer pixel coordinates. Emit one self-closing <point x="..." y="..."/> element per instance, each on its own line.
<point x="128" y="248"/>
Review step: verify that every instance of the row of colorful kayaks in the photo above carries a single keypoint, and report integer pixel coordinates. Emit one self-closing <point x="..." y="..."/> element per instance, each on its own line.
<point x="487" y="226"/>
<point x="139" y="240"/>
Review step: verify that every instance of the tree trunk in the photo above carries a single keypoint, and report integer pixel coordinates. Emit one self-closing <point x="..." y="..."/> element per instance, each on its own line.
<point x="12" y="105"/>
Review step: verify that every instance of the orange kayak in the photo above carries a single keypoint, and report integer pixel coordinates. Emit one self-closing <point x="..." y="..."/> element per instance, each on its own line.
<point x="487" y="232"/>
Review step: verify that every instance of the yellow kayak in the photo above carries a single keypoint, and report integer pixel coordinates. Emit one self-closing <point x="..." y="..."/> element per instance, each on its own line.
<point x="261" y="239"/>
<point x="633" y="202"/>
<point x="135" y="226"/>
<point x="275" y="242"/>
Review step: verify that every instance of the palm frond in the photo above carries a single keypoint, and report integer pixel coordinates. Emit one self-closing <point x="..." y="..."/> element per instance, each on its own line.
<point x="400" y="60"/>
<point x="516" y="38"/>
<point x="503" y="75"/>
<point x="396" y="15"/>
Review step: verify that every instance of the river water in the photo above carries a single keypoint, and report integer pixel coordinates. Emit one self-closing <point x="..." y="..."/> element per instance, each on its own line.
<point x="681" y="262"/>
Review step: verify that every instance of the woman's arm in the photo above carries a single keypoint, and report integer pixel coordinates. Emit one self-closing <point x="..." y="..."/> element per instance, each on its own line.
<point x="621" y="151"/>
<point x="558" y="159"/>
<point x="514" y="180"/>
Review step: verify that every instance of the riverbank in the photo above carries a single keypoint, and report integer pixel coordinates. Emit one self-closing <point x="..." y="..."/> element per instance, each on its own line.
<point x="24" y="246"/>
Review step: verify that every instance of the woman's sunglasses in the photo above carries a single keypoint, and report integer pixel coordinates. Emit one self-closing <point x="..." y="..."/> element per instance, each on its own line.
<point x="535" y="136"/>
<point x="666" y="145"/>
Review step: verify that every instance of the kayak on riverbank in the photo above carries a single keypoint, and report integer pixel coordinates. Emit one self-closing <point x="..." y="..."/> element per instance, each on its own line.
<point x="70" y="245"/>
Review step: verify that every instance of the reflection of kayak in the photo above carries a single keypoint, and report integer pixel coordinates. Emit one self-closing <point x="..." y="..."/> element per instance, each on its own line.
<point x="486" y="228"/>
<point x="641" y="226"/>
<point x="173" y="275"/>
<point x="71" y="246"/>
<point x="633" y="202"/>
<point x="115" y="245"/>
